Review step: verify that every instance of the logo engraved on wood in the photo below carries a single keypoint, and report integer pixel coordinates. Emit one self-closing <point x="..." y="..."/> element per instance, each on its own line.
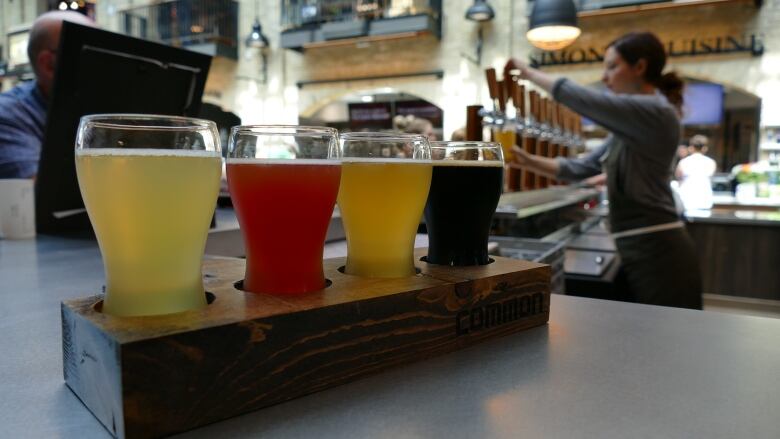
<point x="499" y="313"/>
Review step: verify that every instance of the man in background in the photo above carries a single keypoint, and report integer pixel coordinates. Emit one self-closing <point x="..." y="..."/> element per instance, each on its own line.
<point x="23" y="108"/>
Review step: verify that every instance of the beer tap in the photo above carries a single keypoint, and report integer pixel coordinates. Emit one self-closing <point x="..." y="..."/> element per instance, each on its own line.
<point x="517" y="93"/>
<point x="545" y="137"/>
<point x="568" y="132"/>
<point x="496" y="116"/>
<point x="556" y="122"/>
<point x="529" y="133"/>
<point x="579" y="140"/>
<point x="531" y="121"/>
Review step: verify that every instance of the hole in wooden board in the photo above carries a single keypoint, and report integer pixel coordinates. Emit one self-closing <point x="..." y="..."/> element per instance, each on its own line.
<point x="239" y="285"/>
<point x="342" y="269"/>
<point x="210" y="298"/>
<point x="425" y="259"/>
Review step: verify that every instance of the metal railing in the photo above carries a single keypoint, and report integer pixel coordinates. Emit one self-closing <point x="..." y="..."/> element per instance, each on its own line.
<point x="305" y="13"/>
<point x="184" y="22"/>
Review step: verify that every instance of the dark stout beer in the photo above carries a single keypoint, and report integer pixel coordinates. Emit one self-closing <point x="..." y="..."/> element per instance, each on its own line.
<point x="463" y="197"/>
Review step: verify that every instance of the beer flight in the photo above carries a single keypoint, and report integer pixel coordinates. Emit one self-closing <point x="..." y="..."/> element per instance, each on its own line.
<point x="150" y="184"/>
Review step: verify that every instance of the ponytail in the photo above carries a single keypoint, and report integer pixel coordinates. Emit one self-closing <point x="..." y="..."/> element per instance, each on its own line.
<point x="671" y="86"/>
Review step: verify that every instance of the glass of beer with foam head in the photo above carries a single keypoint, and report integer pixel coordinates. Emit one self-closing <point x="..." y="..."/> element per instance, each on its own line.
<point x="466" y="186"/>
<point x="283" y="181"/>
<point x="384" y="185"/>
<point x="150" y="186"/>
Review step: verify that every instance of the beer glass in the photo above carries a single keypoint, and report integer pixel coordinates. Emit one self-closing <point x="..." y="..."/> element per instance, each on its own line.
<point x="384" y="185"/>
<point x="150" y="186"/>
<point x="506" y="136"/>
<point x="283" y="181"/>
<point x="465" y="188"/>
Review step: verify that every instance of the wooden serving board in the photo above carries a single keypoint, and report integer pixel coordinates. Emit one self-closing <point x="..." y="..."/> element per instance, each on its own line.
<point x="155" y="376"/>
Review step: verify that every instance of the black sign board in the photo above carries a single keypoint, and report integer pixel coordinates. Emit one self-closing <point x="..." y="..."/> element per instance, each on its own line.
<point x="367" y="116"/>
<point x="718" y="45"/>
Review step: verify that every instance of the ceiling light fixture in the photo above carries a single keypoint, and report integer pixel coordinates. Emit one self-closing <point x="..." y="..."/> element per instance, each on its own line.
<point x="553" y="24"/>
<point x="480" y="11"/>
<point x="256" y="39"/>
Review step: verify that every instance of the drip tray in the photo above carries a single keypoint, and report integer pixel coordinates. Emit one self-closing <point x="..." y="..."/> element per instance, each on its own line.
<point x="593" y="242"/>
<point x="587" y="262"/>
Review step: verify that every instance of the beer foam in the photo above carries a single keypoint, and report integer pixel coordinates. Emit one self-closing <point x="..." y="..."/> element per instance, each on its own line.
<point x="469" y="163"/>
<point x="386" y="160"/>
<point x="256" y="161"/>
<point x="146" y="152"/>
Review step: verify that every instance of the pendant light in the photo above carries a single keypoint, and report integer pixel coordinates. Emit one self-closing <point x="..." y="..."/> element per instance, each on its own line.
<point x="256" y="38"/>
<point x="480" y="11"/>
<point x="553" y="24"/>
<point x="258" y="42"/>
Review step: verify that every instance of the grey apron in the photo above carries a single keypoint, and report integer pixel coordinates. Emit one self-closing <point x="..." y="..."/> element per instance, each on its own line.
<point x="661" y="268"/>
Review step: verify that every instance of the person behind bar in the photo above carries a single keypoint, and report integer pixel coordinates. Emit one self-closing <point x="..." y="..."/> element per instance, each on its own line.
<point x="23" y="108"/>
<point x="695" y="173"/>
<point x="414" y="125"/>
<point x="642" y="113"/>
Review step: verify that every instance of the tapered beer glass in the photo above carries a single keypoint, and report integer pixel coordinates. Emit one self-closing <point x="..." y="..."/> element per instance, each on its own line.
<point x="384" y="185"/>
<point x="150" y="186"/>
<point x="465" y="188"/>
<point x="283" y="181"/>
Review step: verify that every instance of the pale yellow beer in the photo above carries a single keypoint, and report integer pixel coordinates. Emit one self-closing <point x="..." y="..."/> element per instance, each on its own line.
<point x="151" y="210"/>
<point x="381" y="203"/>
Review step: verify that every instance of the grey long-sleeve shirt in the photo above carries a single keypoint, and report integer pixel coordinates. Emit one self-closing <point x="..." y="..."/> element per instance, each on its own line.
<point x="637" y="156"/>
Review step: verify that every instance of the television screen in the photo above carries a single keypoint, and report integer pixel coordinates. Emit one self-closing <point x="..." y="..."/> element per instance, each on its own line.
<point x="703" y="104"/>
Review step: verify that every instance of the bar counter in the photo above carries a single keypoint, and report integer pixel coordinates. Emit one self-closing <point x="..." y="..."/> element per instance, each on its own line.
<point x="738" y="250"/>
<point x="599" y="369"/>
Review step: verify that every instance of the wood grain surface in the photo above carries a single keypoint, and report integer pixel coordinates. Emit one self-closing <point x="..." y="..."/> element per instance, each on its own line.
<point x="154" y="376"/>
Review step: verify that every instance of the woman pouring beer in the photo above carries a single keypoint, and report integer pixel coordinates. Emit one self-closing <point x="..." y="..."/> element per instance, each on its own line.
<point x="642" y="114"/>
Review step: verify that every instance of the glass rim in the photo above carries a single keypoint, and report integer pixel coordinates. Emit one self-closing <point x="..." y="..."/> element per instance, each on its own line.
<point x="381" y="136"/>
<point x="282" y="130"/>
<point x="114" y="121"/>
<point x="463" y="144"/>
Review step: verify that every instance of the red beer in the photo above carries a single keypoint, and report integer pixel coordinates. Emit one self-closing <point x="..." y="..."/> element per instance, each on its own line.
<point x="284" y="209"/>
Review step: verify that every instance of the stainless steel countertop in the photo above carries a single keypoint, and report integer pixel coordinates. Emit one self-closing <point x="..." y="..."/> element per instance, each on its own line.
<point x="226" y="240"/>
<point x="737" y="217"/>
<point x="529" y="203"/>
<point x="598" y="370"/>
<point x="727" y="199"/>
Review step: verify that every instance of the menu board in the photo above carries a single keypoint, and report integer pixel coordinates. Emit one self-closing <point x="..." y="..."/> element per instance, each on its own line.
<point x="370" y="116"/>
<point x="421" y="109"/>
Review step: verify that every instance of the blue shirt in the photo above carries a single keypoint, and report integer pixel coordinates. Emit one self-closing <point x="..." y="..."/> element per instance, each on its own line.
<point x="22" y="122"/>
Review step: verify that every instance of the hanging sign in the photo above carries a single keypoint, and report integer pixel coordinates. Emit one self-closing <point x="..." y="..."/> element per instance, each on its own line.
<point x="719" y="45"/>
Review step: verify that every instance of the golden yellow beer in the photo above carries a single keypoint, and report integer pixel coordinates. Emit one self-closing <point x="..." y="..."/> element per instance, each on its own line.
<point x="381" y="204"/>
<point x="151" y="210"/>
<point x="507" y="139"/>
